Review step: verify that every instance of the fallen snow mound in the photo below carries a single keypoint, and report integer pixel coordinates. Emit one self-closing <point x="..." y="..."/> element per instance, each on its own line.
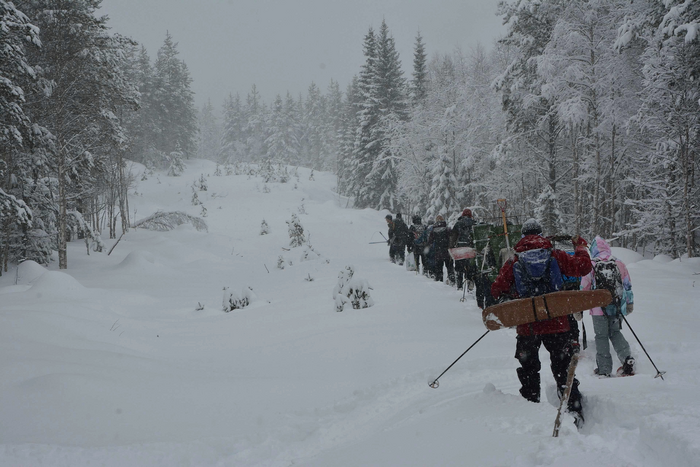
<point x="663" y="258"/>
<point x="57" y="284"/>
<point x="29" y="271"/>
<point x="626" y="256"/>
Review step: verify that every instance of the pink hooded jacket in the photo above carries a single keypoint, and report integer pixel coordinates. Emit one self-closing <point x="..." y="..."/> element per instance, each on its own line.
<point x="600" y="250"/>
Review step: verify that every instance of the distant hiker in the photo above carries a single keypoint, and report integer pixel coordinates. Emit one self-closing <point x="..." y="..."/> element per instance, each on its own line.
<point x="440" y="240"/>
<point x="535" y="270"/>
<point x="416" y="229"/>
<point x="428" y="250"/>
<point x="403" y="237"/>
<point x="463" y="235"/>
<point x="610" y="273"/>
<point x="397" y="245"/>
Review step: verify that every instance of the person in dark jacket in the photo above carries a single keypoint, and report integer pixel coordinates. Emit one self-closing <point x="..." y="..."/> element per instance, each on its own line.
<point x="554" y="333"/>
<point x="402" y="238"/>
<point x="428" y="250"/>
<point x="463" y="235"/>
<point x="440" y="240"/>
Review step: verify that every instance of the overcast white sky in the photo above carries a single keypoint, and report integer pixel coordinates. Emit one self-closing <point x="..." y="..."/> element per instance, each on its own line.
<point x="282" y="45"/>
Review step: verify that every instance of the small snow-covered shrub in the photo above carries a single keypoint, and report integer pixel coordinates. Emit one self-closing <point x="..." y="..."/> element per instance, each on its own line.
<point x="217" y="171"/>
<point x="281" y="262"/>
<point x="266" y="189"/>
<point x="232" y="301"/>
<point x="309" y="254"/>
<point x="195" y="198"/>
<point x="302" y="208"/>
<point x="264" y="228"/>
<point x="351" y="289"/>
<point x="296" y="232"/>
<point x="201" y="184"/>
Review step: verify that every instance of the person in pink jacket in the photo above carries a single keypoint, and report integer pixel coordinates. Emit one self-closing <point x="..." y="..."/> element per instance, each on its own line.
<point x="610" y="273"/>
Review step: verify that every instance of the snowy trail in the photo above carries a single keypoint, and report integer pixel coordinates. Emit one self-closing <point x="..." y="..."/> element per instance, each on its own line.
<point x="111" y="363"/>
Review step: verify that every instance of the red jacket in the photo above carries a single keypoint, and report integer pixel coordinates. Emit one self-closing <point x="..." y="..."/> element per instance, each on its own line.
<point x="577" y="265"/>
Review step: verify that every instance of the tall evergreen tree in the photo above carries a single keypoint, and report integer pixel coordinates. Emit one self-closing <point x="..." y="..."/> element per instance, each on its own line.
<point x="174" y="98"/>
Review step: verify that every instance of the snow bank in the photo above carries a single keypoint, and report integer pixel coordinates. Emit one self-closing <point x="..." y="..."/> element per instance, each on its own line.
<point x="55" y="284"/>
<point x="626" y="256"/>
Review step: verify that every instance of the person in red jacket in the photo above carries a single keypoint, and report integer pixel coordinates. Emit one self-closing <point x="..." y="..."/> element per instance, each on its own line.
<point x="555" y="334"/>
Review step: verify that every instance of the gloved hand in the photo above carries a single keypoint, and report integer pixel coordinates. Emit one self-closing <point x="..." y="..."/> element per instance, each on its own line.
<point x="630" y="308"/>
<point x="578" y="240"/>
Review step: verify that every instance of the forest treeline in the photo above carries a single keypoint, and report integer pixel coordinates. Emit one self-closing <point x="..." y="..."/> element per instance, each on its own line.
<point x="584" y="115"/>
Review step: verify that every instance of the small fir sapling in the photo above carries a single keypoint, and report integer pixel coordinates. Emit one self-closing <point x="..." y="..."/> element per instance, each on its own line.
<point x="280" y="262"/>
<point x="311" y="177"/>
<point x="302" y="208"/>
<point x="351" y="289"/>
<point x="266" y="189"/>
<point x="203" y="212"/>
<point x="217" y="172"/>
<point x="264" y="228"/>
<point x="231" y="301"/>
<point x="195" y="198"/>
<point x="296" y="232"/>
<point x="202" y="183"/>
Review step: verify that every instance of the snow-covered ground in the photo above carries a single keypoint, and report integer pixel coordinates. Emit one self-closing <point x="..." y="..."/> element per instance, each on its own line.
<point x="114" y="362"/>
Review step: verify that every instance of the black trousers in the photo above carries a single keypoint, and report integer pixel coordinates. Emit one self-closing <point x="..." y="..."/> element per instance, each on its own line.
<point x="560" y="350"/>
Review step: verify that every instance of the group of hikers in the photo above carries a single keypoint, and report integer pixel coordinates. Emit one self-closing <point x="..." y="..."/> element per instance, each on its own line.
<point x="534" y="267"/>
<point x="430" y="245"/>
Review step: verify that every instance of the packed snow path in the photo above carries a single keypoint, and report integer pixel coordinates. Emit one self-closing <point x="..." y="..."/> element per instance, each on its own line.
<point x="128" y="359"/>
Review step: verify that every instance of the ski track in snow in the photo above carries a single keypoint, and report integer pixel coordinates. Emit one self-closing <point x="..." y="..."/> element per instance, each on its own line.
<point x="109" y="363"/>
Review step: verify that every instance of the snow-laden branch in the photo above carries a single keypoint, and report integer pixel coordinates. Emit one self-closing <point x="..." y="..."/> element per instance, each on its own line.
<point x="164" y="221"/>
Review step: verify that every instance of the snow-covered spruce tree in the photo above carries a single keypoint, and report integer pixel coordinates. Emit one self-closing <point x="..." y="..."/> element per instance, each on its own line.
<point x="18" y="240"/>
<point x="264" y="228"/>
<point x="174" y="98"/>
<point x="351" y="289"/>
<point x="388" y="95"/>
<point x="232" y="139"/>
<point x="210" y="132"/>
<point x="365" y="147"/>
<point x="418" y="85"/>
<point x="296" y="232"/>
<point x="282" y="143"/>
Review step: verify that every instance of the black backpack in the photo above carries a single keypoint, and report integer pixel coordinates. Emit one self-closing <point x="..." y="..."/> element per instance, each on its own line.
<point x="607" y="276"/>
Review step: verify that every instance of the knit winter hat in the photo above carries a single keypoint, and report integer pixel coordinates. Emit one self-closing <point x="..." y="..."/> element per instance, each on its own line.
<point x="439" y="219"/>
<point x="531" y="227"/>
<point x="398" y="215"/>
<point x="467" y="213"/>
<point x="388" y="217"/>
<point x="416" y="219"/>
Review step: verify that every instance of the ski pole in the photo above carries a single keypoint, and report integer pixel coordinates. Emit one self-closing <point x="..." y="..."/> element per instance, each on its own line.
<point x="435" y="383"/>
<point x="659" y="374"/>
<point x="374" y="243"/>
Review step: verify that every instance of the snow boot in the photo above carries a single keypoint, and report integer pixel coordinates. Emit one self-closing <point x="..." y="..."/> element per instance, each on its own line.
<point x="601" y="375"/>
<point x="627" y="368"/>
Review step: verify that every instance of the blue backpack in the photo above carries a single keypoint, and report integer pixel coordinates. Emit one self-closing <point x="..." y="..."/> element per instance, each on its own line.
<point x="536" y="273"/>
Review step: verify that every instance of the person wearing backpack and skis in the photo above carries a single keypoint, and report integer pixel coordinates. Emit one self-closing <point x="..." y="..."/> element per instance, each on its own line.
<point x="463" y="235"/>
<point x="537" y="269"/>
<point x="402" y="237"/>
<point x="610" y="273"/>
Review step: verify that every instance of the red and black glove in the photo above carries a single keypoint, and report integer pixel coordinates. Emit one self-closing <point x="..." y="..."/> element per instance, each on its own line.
<point x="578" y="240"/>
